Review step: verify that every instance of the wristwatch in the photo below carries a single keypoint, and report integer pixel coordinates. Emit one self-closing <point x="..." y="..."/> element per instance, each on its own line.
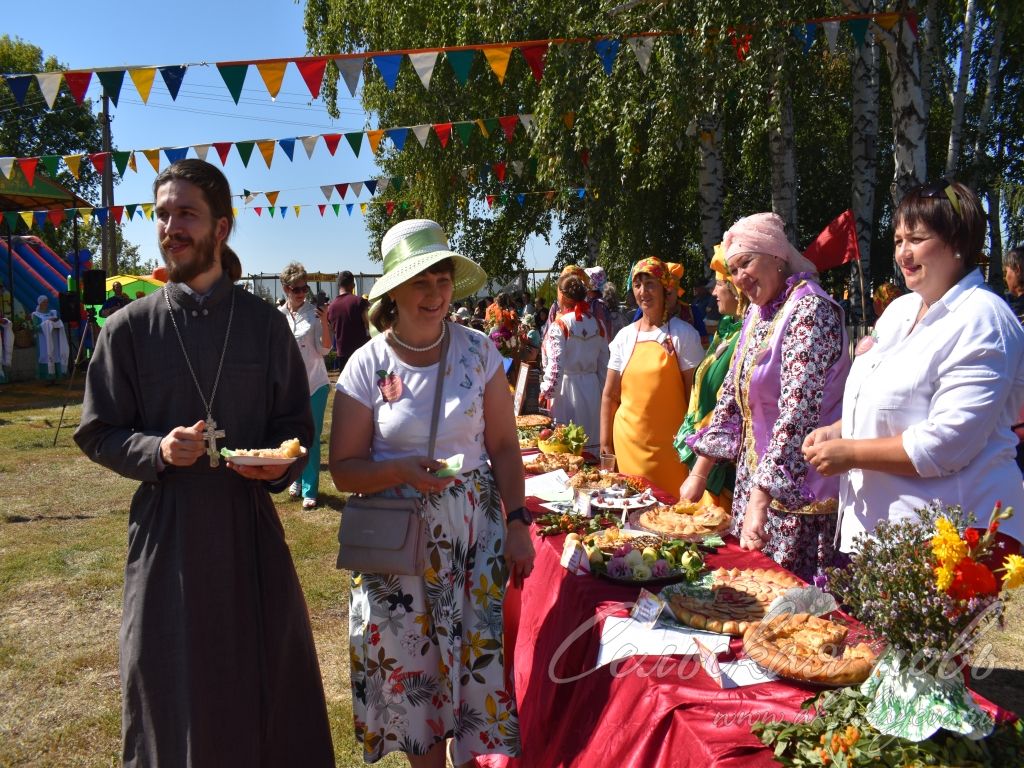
<point x="520" y="514"/>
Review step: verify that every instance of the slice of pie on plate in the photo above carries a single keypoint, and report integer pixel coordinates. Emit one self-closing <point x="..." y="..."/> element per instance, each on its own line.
<point x="736" y="599"/>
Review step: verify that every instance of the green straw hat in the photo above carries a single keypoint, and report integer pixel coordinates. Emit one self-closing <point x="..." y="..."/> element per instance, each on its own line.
<point x="414" y="245"/>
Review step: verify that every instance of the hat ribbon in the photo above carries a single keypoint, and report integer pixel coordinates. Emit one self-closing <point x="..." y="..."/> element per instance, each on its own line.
<point x="416" y="244"/>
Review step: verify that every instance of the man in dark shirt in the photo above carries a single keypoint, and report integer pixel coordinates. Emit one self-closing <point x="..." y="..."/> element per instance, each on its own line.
<point x="118" y="301"/>
<point x="1013" y="273"/>
<point x="347" y="314"/>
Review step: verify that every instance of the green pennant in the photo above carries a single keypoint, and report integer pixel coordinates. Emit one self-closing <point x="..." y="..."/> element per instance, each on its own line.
<point x="271" y="210"/>
<point x="111" y="82"/>
<point x="503" y="199"/>
<point x="532" y="162"/>
<point x="465" y="131"/>
<point x="404" y="205"/>
<point x="50" y="164"/>
<point x="461" y="62"/>
<point x="336" y="207"/>
<point x="355" y="140"/>
<point x="11" y="219"/>
<point x="234" y="78"/>
<point x="245" y="150"/>
<point x="492" y="126"/>
<point x="121" y="161"/>
<point x="396" y="183"/>
<point x="130" y="210"/>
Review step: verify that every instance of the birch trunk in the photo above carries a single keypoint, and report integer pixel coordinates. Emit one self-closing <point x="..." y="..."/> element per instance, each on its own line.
<point x="711" y="187"/>
<point x="931" y="28"/>
<point x="864" y="73"/>
<point x="995" y="242"/>
<point x="783" y="155"/>
<point x="960" y="94"/>
<point x="909" y="119"/>
<point x="978" y="157"/>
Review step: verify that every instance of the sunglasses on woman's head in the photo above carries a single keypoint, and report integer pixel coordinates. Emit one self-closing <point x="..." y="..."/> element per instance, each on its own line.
<point x="942" y="188"/>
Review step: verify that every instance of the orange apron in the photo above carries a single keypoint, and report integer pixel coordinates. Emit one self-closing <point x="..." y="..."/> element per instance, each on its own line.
<point x="651" y="408"/>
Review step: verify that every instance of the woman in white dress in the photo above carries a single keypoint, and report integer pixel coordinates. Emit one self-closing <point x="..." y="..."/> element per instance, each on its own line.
<point x="576" y="360"/>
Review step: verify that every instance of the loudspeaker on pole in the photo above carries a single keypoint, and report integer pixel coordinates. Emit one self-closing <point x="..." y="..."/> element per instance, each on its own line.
<point x="94" y="286"/>
<point x="70" y="307"/>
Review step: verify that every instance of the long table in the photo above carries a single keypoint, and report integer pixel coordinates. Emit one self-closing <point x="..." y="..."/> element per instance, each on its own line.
<point x="653" y="711"/>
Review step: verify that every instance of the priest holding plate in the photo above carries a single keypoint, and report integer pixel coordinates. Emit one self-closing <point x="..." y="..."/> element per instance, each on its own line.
<point x="217" y="660"/>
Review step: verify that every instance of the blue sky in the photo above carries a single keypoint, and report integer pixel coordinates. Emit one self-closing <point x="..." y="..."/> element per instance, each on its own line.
<point x="107" y="34"/>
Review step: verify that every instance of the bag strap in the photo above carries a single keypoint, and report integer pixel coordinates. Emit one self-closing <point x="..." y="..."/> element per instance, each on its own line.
<point x="441" y="366"/>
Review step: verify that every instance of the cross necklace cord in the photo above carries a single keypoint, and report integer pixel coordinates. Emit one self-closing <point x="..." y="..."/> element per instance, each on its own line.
<point x="211" y="433"/>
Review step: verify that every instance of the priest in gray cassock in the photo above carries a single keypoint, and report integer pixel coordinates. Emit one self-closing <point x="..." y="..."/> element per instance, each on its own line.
<point x="218" y="666"/>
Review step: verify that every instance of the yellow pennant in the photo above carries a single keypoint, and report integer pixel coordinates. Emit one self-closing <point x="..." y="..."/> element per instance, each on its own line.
<point x="498" y="59"/>
<point x="143" y="80"/>
<point x="153" y="155"/>
<point x="131" y="162"/>
<point x="272" y="197"/>
<point x="267" y="150"/>
<point x="234" y="212"/>
<point x="73" y="162"/>
<point x="362" y="208"/>
<point x="374" y="138"/>
<point x="272" y="73"/>
<point x="887" y="20"/>
<point x="569" y="118"/>
<point x="147" y="210"/>
<point x="483" y="128"/>
<point x="296" y="209"/>
<point x="86" y="214"/>
<point x="27" y="216"/>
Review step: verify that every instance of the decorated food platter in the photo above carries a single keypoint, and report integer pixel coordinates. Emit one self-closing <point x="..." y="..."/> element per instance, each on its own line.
<point x="287" y="453"/>
<point x="685" y="520"/>
<point x="635" y="558"/>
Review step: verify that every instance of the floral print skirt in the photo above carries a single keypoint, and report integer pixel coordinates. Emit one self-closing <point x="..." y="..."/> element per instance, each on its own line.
<point x="426" y="652"/>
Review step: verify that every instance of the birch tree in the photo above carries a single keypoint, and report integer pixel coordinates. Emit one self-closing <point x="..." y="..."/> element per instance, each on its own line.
<point x="960" y="93"/>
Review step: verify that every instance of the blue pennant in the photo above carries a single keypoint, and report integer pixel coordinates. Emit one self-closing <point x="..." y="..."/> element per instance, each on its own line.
<point x="172" y="79"/>
<point x="288" y="145"/>
<point x="388" y="66"/>
<point x="608" y="50"/>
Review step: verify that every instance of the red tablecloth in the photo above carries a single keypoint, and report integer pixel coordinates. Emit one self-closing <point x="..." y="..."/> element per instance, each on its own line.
<point x="656" y="711"/>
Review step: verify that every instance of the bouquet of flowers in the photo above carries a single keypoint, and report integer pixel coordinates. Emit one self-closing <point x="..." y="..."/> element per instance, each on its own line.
<point x="506" y="340"/>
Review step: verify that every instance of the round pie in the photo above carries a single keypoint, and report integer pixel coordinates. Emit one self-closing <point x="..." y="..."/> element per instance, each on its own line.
<point x="685" y="519"/>
<point x="805" y="647"/>
<point x="549" y="462"/>
<point x="737" y="599"/>
<point x="533" y="420"/>
<point x="592" y="480"/>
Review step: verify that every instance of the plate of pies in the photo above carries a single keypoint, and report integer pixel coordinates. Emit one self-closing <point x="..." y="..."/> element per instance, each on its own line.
<point x="687" y="520"/>
<point x="286" y="453"/>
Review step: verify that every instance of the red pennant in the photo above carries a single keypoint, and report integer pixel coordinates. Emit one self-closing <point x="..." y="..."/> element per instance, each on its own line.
<point x="223" y="147"/>
<point x="312" y="71"/>
<point x="322" y="207"/>
<point x="331" y="140"/>
<point x="99" y="161"/>
<point x="535" y="56"/>
<point x="117" y="211"/>
<point x="911" y="18"/>
<point x="28" y="167"/>
<point x="508" y="125"/>
<point x="342" y="190"/>
<point x="389" y="206"/>
<point x="499" y="170"/>
<point x="585" y="158"/>
<point x="56" y="217"/>
<point x="741" y="43"/>
<point x="490" y="201"/>
<point x="78" y="84"/>
<point x="444" y="132"/>
<point x="259" y="210"/>
<point x="836" y="245"/>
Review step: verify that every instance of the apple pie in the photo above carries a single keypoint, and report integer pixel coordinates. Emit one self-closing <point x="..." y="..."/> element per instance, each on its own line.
<point x="592" y="480"/>
<point x="550" y="462"/>
<point x="737" y="599"/>
<point x="533" y="420"/>
<point x="805" y="647"/>
<point x="289" y="449"/>
<point x="685" y="519"/>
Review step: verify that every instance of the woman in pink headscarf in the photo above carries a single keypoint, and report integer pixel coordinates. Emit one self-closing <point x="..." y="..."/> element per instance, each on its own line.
<point x="786" y="380"/>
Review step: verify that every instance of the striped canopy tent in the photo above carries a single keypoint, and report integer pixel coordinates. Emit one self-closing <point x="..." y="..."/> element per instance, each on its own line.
<point x="132" y="284"/>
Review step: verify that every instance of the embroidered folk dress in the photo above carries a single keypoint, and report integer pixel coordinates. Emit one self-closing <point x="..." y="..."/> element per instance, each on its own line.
<point x="786" y="379"/>
<point x="426" y="653"/>
<point x="576" y="357"/>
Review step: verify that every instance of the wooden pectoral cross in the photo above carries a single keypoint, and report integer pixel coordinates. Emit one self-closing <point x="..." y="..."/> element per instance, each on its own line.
<point x="210" y="435"/>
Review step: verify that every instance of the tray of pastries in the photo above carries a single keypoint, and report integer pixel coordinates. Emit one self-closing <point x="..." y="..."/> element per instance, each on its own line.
<point x="684" y="520"/>
<point x="540" y="463"/>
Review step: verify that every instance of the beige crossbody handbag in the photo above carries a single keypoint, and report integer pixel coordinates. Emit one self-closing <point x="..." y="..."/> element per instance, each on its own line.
<point x="386" y="535"/>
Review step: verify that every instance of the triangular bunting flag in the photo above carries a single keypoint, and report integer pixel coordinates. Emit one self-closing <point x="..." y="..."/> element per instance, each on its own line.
<point x="50" y="163"/>
<point x="153" y="155"/>
<point x="19" y="87"/>
<point x="258" y="210"/>
<point x="423" y="64"/>
<point x="86" y="214"/>
<point x="350" y="69"/>
<point x="642" y="48"/>
<point x="585" y="158"/>
<point x="831" y="34"/>
<point x="272" y="73"/>
<point x="73" y="162"/>
<point x="527" y="121"/>
<point x="422" y="133"/>
<point x="521" y="198"/>
<point x="331" y="142"/>
<point x="322" y="207"/>
<point x="49" y="86"/>
<point x="78" y="84"/>
<point x="27" y="217"/>
<point x="810" y="33"/>
<point x="355" y="140"/>
<point x="121" y="161"/>
<point x="517" y="167"/>
<point x="389" y="206"/>
<point x="535" y="56"/>
<point x="99" y="161"/>
<point x="371" y="185"/>
<point x="101" y="215"/>
<point x="11" y="220"/>
<point x="911" y="18"/>
<point x="581" y="192"/>
<point x="398" y="136"/>
<point x="569" y="118"/>
<point x="39" y="218"/>
<point x="234" y="78"/>
<point x="357" y="188"/>
<point x="465" y="131"/>
<point x="147" y="210"/>
<point x="295" y="208"/>
<point x="288" y="145"/>
<point x="271" y="210"/>
<point x="498" y="57"/>
<point x="130" y="210"/>
<point x="172" y="79"/>
<point x="485" y="172"/>
<point x="117" y="211"/>
<point x="142" y="79"/>
<point x="460" y="62"/>
<point x="112" y="80"/>
<point x="349" y="207"/>
<point x="607" y="51"/>
<point x="336" y="207"/>
<point x="374" y="137"/>
<point x="267" y="150"/>
<point x="499" y="171"/>
<point x="245" y="150"/>
<point x="549" y="195"/>
<point x="201" y="150"/>
<point x="741" y="44"/>
<point x="388" y="66"/>
<point x="312" y="71"/>
<point x="383" y="183"/>
<point x="327" y="190"/>
<point x="444" y="133"/>
<point x="859" y="30"/>
<point x="56" y="216"/>
<point x="223" y="149"/>
<point x="508" y="124"/>
<point x="174" y="154"/>
<point x="396" y="183"/>
<point x="272" y="196"/>
<point x="131" y="162"/>
<point x="362" y="208"/>
<point x="309" y="144"/>
<point x="490" y="201"/>
<point x="885" y="20"/>
<point x="342" y="190"/>
<point x="248" y="197"/>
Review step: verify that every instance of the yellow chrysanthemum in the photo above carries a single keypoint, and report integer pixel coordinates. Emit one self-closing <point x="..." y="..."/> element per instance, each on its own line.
<point x="947" y="546"/>
<point x="1013" y="572"/>
<point x="944" y="577"/>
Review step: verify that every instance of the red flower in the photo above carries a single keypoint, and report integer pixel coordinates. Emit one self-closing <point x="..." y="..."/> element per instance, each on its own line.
<point x="971" y="537"/>
<point x="971" y="579"/>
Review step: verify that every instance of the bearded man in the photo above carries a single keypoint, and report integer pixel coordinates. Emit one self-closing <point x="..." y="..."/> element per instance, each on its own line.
<point x="217" y="664"/>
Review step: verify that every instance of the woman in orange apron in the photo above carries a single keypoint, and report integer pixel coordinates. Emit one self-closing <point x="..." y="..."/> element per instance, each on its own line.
<point x="650" y="373"/>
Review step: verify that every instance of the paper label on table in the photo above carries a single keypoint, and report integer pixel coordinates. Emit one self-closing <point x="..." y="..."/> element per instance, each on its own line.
<point x="574" y="558"/>
<point x="731" y="674"/>
<point x="622" y="637"/>
<point x="581" y="504"/>
<point x="647" y="609"/>
<point x="801" y="600"/>
<point x="551" y="486"/>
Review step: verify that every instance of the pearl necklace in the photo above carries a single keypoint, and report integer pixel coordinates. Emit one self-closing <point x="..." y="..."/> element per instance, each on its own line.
<point x="394" y="337"/>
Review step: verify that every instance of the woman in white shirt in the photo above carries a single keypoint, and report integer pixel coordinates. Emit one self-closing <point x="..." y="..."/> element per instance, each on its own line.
<point x="313" y="335"/>
<point x="932" y="393"/>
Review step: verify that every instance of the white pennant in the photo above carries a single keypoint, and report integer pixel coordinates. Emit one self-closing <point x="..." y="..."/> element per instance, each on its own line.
<point x="382" y="184"/>
<point x="424" y="63"/>
<point x="328" y="190"/>
<point x="201" y="150"/>
<point x="309" y="144"/>
<point x="250" y="197"/>
<point x="527" y="121"/>
<point x="422" y="133"/>
<point x="6" y="165"/>
<point x="350" y="69"/>
<point x="831" y="34"/>
<point x="49" y="84"/>
<point x="642" y="47"/>
<point x="517" y="167"/>
<point x="357" y="187"/>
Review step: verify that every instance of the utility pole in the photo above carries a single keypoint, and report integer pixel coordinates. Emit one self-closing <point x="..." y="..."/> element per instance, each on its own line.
<point x="107" y="233"/>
